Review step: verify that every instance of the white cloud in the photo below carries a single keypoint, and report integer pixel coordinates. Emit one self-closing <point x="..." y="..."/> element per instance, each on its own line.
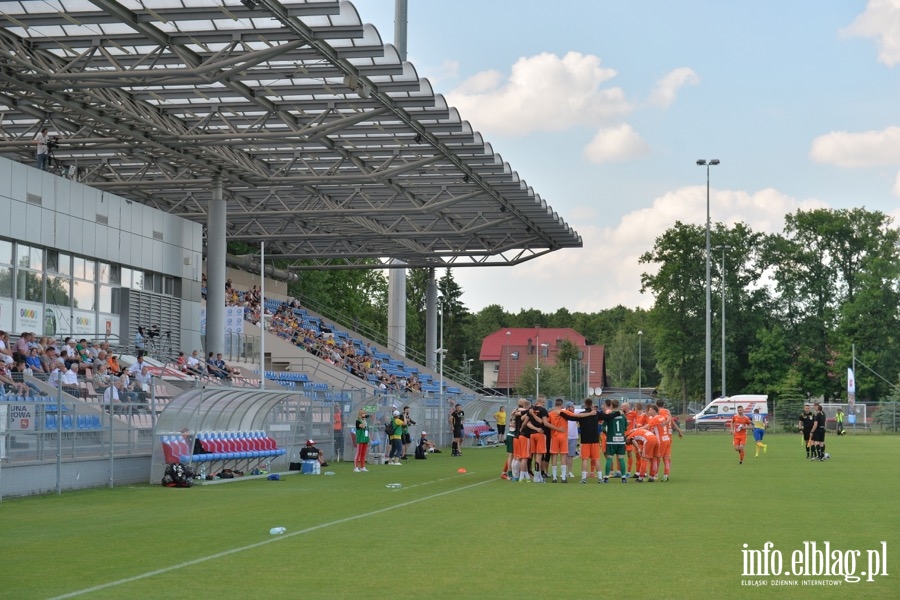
<point x="881" y="20"/>
<point x="865" y="149"/>
<point x="606" y="271"/>
<point x="896" y="192"/>
<point x="667" y="88"/>
<point x="542" y="93"/>
<point x="616" y="143"/>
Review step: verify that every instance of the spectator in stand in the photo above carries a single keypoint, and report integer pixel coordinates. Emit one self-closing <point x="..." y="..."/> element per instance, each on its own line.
<point x="23" y="346"/>
<point x="70" y="380"/>
<point x="113" y="364"/>
<point x="58" y="366"/>
<point x="5" y="350"/>
<point x="143" y="383"/>
<point x="10" y="385"/>
<point x="33" y="360"/>
<point x="137" y="367"/>
<point x="48" y="359"/>
<point x="102" y="378"/>
<point x="112" y="396"/>
<point x="194" y="366"/>
<point x="181" y="362"/>
<point x="70" y="354"/>
<point x="18" y="375"/>
<point x="82" y="348"/>
<point x="224" y="368"/>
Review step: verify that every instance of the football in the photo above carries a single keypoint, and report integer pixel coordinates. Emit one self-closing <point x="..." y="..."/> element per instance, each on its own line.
<point x="826" y="456"/>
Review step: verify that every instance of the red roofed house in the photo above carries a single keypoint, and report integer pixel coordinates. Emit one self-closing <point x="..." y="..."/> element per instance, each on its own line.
<point x="506" y="353"/>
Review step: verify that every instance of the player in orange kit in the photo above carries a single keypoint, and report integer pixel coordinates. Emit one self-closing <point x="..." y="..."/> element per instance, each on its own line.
<point x="646" y="444"/>
<point x="739" y="425"/>
<point x="665" y="441"/>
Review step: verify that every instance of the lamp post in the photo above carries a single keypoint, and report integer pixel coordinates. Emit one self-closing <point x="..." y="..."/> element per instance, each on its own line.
<point x="508" y="363"/>
<point x="442" y="351"/>
<point x="640" y="362"/>
<point x="537" y="371"/>
<point x="708" y="163"/>
<point x="723" y="248"/>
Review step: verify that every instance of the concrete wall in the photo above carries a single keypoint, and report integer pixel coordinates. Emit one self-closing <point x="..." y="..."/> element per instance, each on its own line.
<point x="31" y="479"/>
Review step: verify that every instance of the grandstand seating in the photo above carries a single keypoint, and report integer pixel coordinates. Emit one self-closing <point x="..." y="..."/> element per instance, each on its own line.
<point x="393" y="367"/>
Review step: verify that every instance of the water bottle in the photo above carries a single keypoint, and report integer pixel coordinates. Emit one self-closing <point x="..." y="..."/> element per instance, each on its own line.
<point x="277" y="530"/>
<point x="203" y="473"/>
<point x="329" y="473"/>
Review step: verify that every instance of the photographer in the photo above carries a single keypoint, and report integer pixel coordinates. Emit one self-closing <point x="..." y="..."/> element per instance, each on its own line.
<point x="405" y="438"/>
<point x="42" y="153"/>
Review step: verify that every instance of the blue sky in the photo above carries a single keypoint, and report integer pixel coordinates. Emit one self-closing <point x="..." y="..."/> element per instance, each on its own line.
<point x="604" y="108"/>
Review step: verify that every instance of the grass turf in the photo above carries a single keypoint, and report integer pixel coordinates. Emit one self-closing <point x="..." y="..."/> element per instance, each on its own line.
<point x="449" y="535"/>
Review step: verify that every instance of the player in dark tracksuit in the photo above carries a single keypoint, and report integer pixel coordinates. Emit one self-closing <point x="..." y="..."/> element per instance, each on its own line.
<point x="807" y="419"/>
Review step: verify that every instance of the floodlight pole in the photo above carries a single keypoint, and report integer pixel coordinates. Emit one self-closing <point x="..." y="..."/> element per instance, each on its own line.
<point x="262" y="315"/>
<point x="640" y="362"/>
<point x="723" y="248"/>
<point x="708" y="374"/>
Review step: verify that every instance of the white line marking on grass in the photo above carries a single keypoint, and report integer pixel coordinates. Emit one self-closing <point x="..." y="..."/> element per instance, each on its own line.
<point x="415" y="485"/>
<point x="271" y="540"/>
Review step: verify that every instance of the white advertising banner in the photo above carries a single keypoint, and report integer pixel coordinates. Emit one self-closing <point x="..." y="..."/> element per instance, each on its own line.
<point x="6" y="314"/>
<point x="84" y="322"/>
<point x="29" y="317"/>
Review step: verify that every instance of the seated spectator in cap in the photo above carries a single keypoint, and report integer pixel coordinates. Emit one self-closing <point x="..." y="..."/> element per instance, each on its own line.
<point x="310" y="452"/>
<point x="424" y="446"/>
<point x="70" y="354"/>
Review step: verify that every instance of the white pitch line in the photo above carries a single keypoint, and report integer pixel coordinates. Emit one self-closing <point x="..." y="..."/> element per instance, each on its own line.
<point x="271" y="540"/>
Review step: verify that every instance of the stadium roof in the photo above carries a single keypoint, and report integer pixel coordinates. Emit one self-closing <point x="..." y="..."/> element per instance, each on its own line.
<point x="328" y="146"/>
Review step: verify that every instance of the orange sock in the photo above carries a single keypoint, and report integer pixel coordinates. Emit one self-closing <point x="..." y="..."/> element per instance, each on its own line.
<point x="630" y="463"/>
<point x="741" y="454"/>
<point x="667" y="465"/>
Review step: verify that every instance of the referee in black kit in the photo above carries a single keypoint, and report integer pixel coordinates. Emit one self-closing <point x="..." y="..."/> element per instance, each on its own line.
<point x="807" y="420"/>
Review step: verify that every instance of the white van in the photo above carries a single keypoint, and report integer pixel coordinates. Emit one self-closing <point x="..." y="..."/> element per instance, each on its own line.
<point x="717" y="414"/>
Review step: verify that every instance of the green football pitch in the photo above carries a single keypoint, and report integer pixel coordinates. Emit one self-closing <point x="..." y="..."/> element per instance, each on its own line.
<point x="445" y="534"/>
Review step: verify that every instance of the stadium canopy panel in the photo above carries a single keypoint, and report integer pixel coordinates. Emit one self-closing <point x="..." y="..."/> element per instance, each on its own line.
<point x="327" y="145"/>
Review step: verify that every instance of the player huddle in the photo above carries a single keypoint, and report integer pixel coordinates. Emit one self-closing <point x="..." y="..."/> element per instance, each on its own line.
<point x="539" y="440"/>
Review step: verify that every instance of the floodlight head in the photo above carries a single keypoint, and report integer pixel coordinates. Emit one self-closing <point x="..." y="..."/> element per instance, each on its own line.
<point x="701" y="162"/>
<point x="714" y="161"/>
